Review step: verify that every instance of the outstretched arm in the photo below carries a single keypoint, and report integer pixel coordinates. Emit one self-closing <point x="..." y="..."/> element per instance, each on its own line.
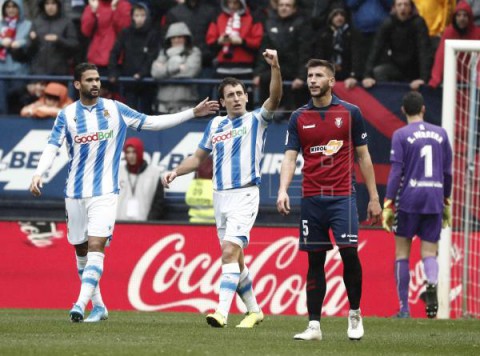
<point x="273" y="101"/>
<point x="188" y="165"/>
<point x="162" y="122"/>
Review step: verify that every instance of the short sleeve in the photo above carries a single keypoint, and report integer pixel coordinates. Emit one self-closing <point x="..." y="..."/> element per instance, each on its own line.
<point x="59" y="130"/>
<point x="396" y="153"/>
<point x="206" y="142"/>
<point x="292" y="141"/>
<point x="132" y="118"/>
<point x="359" y="133"/>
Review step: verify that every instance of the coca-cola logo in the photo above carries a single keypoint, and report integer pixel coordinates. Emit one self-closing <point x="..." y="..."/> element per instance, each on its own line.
<point x="164" y="278"/>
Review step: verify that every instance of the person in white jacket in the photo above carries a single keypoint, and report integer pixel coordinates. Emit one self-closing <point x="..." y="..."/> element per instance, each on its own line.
<point x="179" y="59"/>
<point x="141" y="191"/>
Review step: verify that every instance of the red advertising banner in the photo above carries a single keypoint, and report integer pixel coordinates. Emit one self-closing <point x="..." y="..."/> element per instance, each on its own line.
<point x="177" y="268"/>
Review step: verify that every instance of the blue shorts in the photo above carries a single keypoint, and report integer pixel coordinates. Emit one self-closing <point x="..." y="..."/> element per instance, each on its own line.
<point x="321" y="213"/>
<point x="426" y="226"/>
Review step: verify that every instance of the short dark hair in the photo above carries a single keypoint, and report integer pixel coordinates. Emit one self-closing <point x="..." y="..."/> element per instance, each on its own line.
<point x="314" y="62"/>
<point x="412" y="103"/>
<point x="82" y="68"/>
<point x="230" y="81"/>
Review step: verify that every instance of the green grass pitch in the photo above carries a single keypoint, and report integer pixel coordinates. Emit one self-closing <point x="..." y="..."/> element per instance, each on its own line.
<point x="49" y="332"/>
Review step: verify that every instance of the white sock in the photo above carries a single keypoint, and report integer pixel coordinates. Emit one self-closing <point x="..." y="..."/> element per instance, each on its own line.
<point x="228" y="287"/>
<point x="315" y="324"/>
<point x="245" y="291"/>
<point x="97" y="296"/>
<point x="90" y="277"/>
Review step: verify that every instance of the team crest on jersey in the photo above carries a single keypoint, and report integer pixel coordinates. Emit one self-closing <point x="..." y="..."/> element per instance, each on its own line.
<point x="332" y="147"/>
<point x="338" y="122"/>
<point x="106" y="114"/>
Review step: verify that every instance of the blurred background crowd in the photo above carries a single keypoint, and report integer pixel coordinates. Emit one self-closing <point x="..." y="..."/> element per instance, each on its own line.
<point x="130" y="41"/>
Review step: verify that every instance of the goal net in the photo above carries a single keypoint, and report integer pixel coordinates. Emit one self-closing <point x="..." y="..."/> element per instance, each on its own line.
<point x="459" y="253"/>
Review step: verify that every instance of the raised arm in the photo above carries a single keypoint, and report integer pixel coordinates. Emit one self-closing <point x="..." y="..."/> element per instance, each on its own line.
<point x="289" y="164"/>
<point x="273" y="101"/>
<point x="188" y="165"/>
<point x="366" y="167"/>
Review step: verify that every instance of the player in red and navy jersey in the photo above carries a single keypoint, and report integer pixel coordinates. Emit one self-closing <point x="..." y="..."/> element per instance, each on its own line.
<point x="328" y="132"/>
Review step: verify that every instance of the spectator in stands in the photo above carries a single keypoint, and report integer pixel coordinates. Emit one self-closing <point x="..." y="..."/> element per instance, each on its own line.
<point x="158" y="9"/>
<point x="179" y="59"/>
<point x="31" y="9"/>
<point x="199" y="195"/>
<point x="461" y="28"/>
<point x="437" y="15"/>
<point x="235" y="37"/>
<point x="334" y="44"/>
<point x="25" y="95"/>
<point x="475" y="5"/>
<point x="54" y="98"/>
<point x="401" y="49"/>
<point x="319" y="10"/>
<point x="197" y="15"/>
<point x="53" y="40"/>
<point x="102" y="21"/>
<point x="141" y="191"/>
<point x="14" y="29"/>
<point x="289" y="33"/>
<point x="367" y="16"/>
<point x="132" y="56"/>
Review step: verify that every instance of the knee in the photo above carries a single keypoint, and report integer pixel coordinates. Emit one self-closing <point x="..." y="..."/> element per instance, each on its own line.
<point x="349" y="256"/>
<point x="230" y="253"/>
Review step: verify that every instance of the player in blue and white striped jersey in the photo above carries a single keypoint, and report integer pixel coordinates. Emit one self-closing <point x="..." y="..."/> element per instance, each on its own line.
<point x="237" y="141"/>
<point x="94" y="129"/>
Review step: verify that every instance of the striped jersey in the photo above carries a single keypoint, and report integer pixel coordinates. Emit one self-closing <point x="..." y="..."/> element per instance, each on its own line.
<point x="237" y="145"/>
<point x="94" y="137"/>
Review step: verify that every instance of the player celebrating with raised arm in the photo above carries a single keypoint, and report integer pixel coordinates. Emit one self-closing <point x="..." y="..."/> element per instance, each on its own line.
<point x="329" y="132"/>
<point x="421" y="191"/>
<point x="95" y="130"/>
<point x="237" y="142"/>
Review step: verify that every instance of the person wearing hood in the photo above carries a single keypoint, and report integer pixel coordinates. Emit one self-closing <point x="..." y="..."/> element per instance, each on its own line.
<point x="178" y="59"/>
<point x="401" y="49"/>
<point x="141" y="190"/>
<point x="14" y="29"/>
<point x="54" y="98"/>
<point x="236" y="37"/>
<point x="461" y="28"/>
<point x="54" y="40"/>
<point x="132" y="56"/>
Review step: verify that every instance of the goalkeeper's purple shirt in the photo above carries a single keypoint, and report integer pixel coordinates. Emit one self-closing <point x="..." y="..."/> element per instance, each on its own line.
<point x="327" y="137"/>
<point x="421" y="174"/>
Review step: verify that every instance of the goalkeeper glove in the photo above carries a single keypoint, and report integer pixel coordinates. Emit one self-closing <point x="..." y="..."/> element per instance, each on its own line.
<point x="447" y="214"/>
<point x="387" y="215"/>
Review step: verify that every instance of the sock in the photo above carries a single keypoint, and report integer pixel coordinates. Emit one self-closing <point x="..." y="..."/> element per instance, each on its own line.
<point x="90" y="277"/>
<point x="402" y="276"/>
<point x="245" y="291"/>
<point x="430" y="265"/>
<point x="352" y="276"/>
<point x="314" y="324"/>
<point x="228" y="286"/>
<point x="97" y="296"/>
<point x="316" y="284"/>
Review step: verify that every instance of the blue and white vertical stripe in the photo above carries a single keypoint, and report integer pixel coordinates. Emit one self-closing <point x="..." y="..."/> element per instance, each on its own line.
<point x="94" y="137"/>
<point x="238" y="146"/>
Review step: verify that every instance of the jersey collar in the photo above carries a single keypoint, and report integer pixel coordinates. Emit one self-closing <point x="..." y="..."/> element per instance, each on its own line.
<point x="335" y="101"/>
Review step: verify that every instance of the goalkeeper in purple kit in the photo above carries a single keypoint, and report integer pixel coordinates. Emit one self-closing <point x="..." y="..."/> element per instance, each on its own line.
<point x="418" y="201"/>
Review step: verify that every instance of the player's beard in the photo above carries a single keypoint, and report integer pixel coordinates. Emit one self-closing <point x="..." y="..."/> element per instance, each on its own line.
<point x="323" y="91"/>
<point x="87" y="94"/>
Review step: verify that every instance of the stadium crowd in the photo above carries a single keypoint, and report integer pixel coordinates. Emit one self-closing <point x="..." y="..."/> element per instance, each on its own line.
<point x="367" y="40"/>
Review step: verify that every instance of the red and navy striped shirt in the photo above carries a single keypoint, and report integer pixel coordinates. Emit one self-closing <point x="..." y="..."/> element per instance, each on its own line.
<point x="327" y="137"/>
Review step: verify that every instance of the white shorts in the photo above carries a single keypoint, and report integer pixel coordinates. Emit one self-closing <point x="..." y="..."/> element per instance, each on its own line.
<point x="235" y="213"/>
<point x="90" y="217"/>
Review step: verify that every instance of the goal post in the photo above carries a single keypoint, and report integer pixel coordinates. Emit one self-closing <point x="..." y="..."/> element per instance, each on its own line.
<point x="458" y="287"/>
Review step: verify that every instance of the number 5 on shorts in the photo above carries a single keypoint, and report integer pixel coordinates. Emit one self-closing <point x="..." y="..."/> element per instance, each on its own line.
<point x="305" y="230"/>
